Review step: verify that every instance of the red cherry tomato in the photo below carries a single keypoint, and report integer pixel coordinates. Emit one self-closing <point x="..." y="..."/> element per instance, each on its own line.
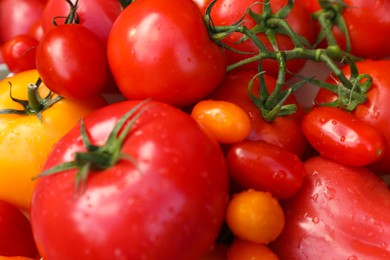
<point x="19" y="53"/>
<point x="72" y="62"/>
<point x="339" y="135"/>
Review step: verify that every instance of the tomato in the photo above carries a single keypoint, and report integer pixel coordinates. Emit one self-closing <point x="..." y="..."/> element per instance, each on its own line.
<point x="19" y="53"/>
<point x="245" y="250"/>
<point x="234" y="88"/>
<point x="375" y="110"/>
<point x="255" y="216"/>
<point x="339" y="135"/>
<point x="228" y="122"/>
<point x="162" y="50"/>
<point x="72" y="61"/>
<point x="25" y="140"/>
<point x="16" y="237"/>
<point x="267" y="167"/>
<point x="367" y="23"/>
<point x="17" y="17"/>
<point x="228" y="12"/>
<point x="165" y="198"/>
<point x="339" y="213"/>
<point x="96" y="15"/>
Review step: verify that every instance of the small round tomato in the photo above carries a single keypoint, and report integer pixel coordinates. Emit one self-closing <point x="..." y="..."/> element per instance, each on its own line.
<point x="26" y="139"/>
<point x="246" y="250"/>
<point x="160" y="49"/>
<point x="16" y="237"/>
<point x="341" y="136"/>
<point x="228" y="122"/>
<point x="19" y="53"/>
<point x="266" y="167"/>
<point x="255" y="216"/>
<point x="72" y="61"/>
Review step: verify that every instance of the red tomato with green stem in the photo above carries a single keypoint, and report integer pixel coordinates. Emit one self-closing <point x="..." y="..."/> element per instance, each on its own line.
<point x="374" y="111"/>
<point x="16" y="237"/>
<point x="340" y="136"/>
<point x="160" y="49"/>
<point x="340" y="212"/>
<point x="228" y="12"/>
<point x="367" y="22"/>
<point x="163" y="198"/>
<point x="234" y="88"/>
<point x="72" y="62"/>
<point x="19" y="53"/>
<point x="265" y="167"/>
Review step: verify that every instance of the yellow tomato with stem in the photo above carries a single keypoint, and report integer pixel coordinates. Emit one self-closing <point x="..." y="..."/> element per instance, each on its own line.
<point x="226" y="121"/>
<point x="255" y="216"/>
<point x="32" y="120"/>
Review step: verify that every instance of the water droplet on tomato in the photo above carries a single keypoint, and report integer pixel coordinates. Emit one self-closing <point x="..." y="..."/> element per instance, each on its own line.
<point x="315" y="197"/>
<point x="342" y="139"/>
<point x="315" y="220"/>
<point x="353" y="257"/>
<point x="334" y="122"/>
<point x="330" y="193"/>
<point x="279" y="175"/>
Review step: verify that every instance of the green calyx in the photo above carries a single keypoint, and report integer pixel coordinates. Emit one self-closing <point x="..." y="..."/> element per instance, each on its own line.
<point x="100" y="157"/>
<point x="35" y="103"/>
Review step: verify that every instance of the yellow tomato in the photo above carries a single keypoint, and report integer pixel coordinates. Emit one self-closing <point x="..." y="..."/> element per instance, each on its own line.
<point x="245" y="250"/>
<point x="255" y="216"/>
<point x="15" y="258"/>
<point x="26" y="140"/>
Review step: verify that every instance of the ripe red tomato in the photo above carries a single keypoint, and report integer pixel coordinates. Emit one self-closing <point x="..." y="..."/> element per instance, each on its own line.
<point x="96" y="15"/>
<point x="340" y="212"/>
<point x="367" y="22"/>
<point x="17" y="17"/>
<point x="228" y="12"/>
<point x="160" y="49"/>
<point x="164" y="199"/>
<point x="234" y="88"/>
<point x="16" y="237"/>
<point x="339" y="135"/>
<point x="265" y="167"/>
<point x="19" y="53"/>
<point x="375" y="110"/>
<point x="72" y="62"/>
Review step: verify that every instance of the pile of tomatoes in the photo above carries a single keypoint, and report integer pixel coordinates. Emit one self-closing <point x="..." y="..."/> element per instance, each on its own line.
<point x="166" y="129"/>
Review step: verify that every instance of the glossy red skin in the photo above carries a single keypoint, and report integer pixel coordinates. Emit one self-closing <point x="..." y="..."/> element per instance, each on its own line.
<point x="267" y="167"/>
<point x="368" y="22"/>
<point x="375" y="111"/>
<point x="340" y="136"/>
<point x="170" y="207"/>
<point x="227" y="12"/>
<point x="96" y="15"/>
<point x="72" y="61"/>
<point x="17" y="17"/>
<point x="16" y="237"/>
<point x="340" y="212"/>
<point x="19" y="53"/>
<point x="160" y="49"/>
<point x="234" y="88"/>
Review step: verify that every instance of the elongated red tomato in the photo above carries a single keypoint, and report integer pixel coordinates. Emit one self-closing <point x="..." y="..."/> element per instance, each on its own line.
<point x="339" y="135"/>
<point x="161" y="49"/>
<point x="267" y="167"/>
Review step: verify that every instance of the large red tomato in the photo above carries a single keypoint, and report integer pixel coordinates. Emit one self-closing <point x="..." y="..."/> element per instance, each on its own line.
<point x="164" y="198"/>
<point x="340" y="212"/>
<point x="161" y="49"/>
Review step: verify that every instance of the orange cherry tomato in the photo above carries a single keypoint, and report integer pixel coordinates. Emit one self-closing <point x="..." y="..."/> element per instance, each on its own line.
<point x="245" y="250"/>
<point x="255" y="216"/>
<point x="228" y="122"/>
